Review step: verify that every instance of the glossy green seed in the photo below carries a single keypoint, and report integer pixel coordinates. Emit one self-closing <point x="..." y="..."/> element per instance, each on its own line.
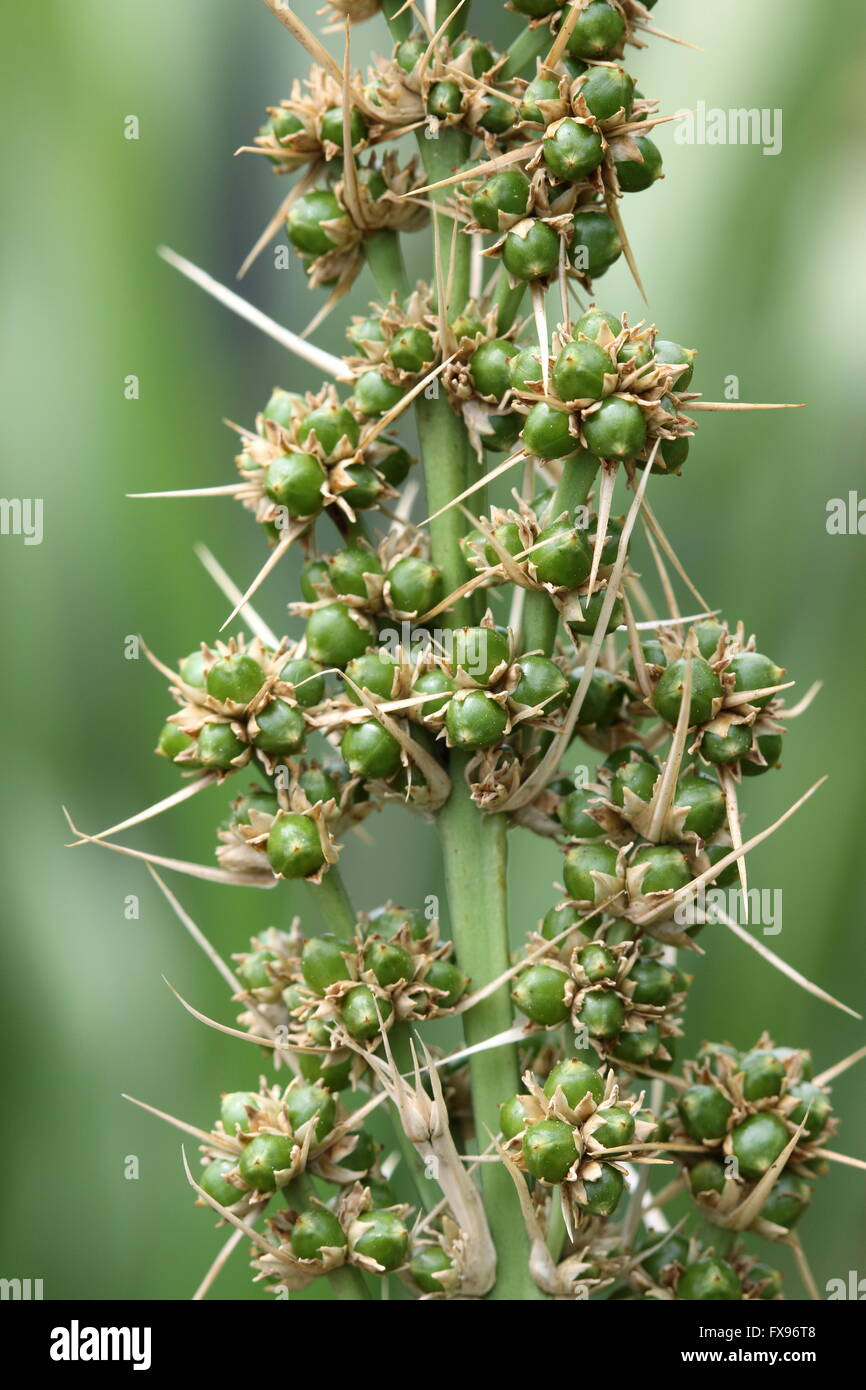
<point x="360" y="1013"/>
<point x="540" y="994"/>
<point x="604" y="1193"/>
<point x="374" y="672"/>
<point x="668" y="869"/>
<point x="426" y="1267"/>
<point x="333" y="426"/>
<point x="214" y="1181"/>
<point x="335" y="636"/>
<point x="636" y="175"/>
<point x="513" y="1116"/>
<point x="601" y="1013"/>
<point x="607" y="90"/>
<point x="374" y="395"/>
<point x="237" y="677"/>
<point x="573" y="150"/>
<point x="479" y="651"/>
<point x="547" y="433"/>
<point x="234" y="1110"/>
<point x="415" y="585"/>
<point x="305" y="221"/>
<point x="549" y="1150"/>
<point x="709" y="1280"/>
<point x="263" y="1158"/>
<point x="598" y="31"/>
<point x="705" y="1111"/>
<point x="506" y="192"/>
<point x="757" y="1143"/>
<point x="581" y="862"/>
<point x="654" y="982"/>
<point x="305" y="1103"/>
<point x="616" y="430"/>
<point x="293" y="847"/>
<point x="706" y="689"/>
<point x="445" y="975"/>
<point x="721" y="749"/>
<point x="575" y="1079"/>
<point x="303" y="675"/>
<point x="331" y="126"/>
<point x="323" y="963"/>
<point x="314" y="1231"/>
<point x="787" y="1201"/>
<point x="384" y="1239"/>
<point x="573" y="813"/>
<point x="532" y="255"/>
<point x="706" y="802"/>
<point x="370" y="751"/>
<point x="218" y="746"/>
<point x="707" y="1176"/>
<point x="281" y="728"/>
<point x="579" y="371"/>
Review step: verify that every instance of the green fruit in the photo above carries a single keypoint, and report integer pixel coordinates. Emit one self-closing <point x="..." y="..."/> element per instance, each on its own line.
<point x="366" y="487"/>
<point x="524" y="370"/>
<point x="335" y="1075"/>
<point x="706" y="689"/>
<point x="410" y="51"/>
<point x="592" y="613"/>
<point x="557" y="919"/>
<point x="638" y="1048"/>
<point x="305" y="227"/>
<point x="636" y="175"/>
<point x="370" y="751"/>
<point x="616" y="430"/>
<point x="654" y="982"/>
<point x="752" y="671"/>
<point x="581" y="861"/>
<point x="415" y="585"/>
<point x="374" y="672"/>
<point x="540" y="994"/>
<point x="364" y="331"/>
<point x="333" y="425"/>
<point x="389" y="920"/>
<point x="263" y="1158"/>
<point x="720" y="750"/>
<point x="444" y="100"/>
<point x="192" y="670"/>
<point x="434" y="682"/>
<point x="549" y="1150"/>
<point x="444" y="975"/>
<point x="639" y="777"/>
<point x="331" y="126"/>
<point x="533" y="254"/>
<point x="579" y="371"/>
<point x="573" y="151"/>
<point x="602" y="1195"/>
<point x="591" y="323"/>
<point x="282" y="406"/>
<point x="705" y="1112"/>
<point x="707" y="1176"/>
<point x="540" y="88"/>
<point x="214" y="1181"/>
<point x="675" y="356"/>
<point x="709" y="1279"/>
<point x="675" y="1250"/>
<point x="314" y="572"/>
<point x="596" y="243"/>
<point x="426" y="1267"/>
<point x="498" y="115"/>
<point x="257" y="800"/>
<point x="303" y="675"/>
<point x="314" y="1231"/>
<point x="602" y="1013"/>
<point x="218" y="746"/>
<point x="815" y="1104"/>
<point x="474" y="720"/>
<point x="508" y="538"/>
<point x="305" y="1103"/>
<point x="173" y="741"/>
<point x="706" y="803"/>
<point x="374" y="395"/>
<point x="294" y="481"/>
<point x="234" y="1111"/>
<point x="562" y="557"/>
<point x="360" y="1013"/>
<point x="771" y="1280"/>
<point x="253" y="972"/>
<point x="480" y="55"/>
<point x="757" y="1143"/>
<point x="479" y="651"/>
<point x="785" y="1054"/>
<point x="597" y="962"/>
<point x="668" y="870"/>
<point x="598" y="31"/>
<point x="335" y="635"/>
<point x="323" y="963"/>
<point x="294" y="849"/>
<point x="281" y="125"/>
<point x="788" y="1200"/>
<point x="488" y="366"/>
<point x="501" y="431"/>
<point x="348" y="568"/>
<point x="412" y="349"/>
<point x="382" y="1193"/>
<point x="575" y="1079"/>
<point x="384" y="1239"/>
<point x="763" y="1074"/>
<point x="388" y="962"/>
<point x="607" y="90"/>
<point x="541" y="683"/>
<point x="770" y="748"/>
<point x="506" y="192"/>
<point x="535" y="9"/>
<point x="281" y="728"/>
<point x="237" y="677"/>
<point x="618" y="1128"/>
<point x="624" y="755"/>
<point x="602" y="700"/>
<point x="573" y="813"/>
<point x="547" y="433"/>
<point x="513" y="1116"/>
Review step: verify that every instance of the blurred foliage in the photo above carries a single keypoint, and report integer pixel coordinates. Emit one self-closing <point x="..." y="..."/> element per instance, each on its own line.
<point x="757" y="260"/>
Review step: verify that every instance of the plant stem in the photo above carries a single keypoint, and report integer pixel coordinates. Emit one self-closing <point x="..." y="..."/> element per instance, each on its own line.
<point x="475" y="868"/>
<point x="398" y="19"/>
<point x="522" y="53"/>
<point x="507" y="302"/>
<point x="540" y="618"/>
<point x="332" y="900"/>
<point x="385" y="259"/>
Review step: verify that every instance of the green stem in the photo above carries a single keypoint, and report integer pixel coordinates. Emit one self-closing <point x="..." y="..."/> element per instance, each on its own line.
<point x="444" y="454"/>
<point x="332" y="900"/>
<point x="540" y="618"/>
<point x="385" y="259"/>
<point x="522" y="53"/>
<point x="398" y="19"/>
<point x="507" y="301"/>
<point x="475" y="868"/>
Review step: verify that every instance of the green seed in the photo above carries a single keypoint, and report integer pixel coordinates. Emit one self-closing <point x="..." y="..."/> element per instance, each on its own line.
<point x="294" y="849"/>
<point x="263" y="1158"/>
<point x="540" y="995"/>
<point x="314" y="1231"/>
<point x="549" y="1150"/>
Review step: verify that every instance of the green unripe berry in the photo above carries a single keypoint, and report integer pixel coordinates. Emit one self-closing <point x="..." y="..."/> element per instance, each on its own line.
<point x="539" y="89"/>
<point x="549" y="1150"/>
<point x="388" y="962"/>
<point x="218" y="746"/>
<point x="706" y="688"/>
<point x="444" y="99"/>
<point x="360" y="1012"/>
<point x="771" y="1280"/>
<point x="410" y="51"/>
<point x="706" y="802"/>
<point x="598" y="31"/>
<point x="601" y="1013"/>
<point x="237" y="677"/>
<point x="323" y="963"/>
<point x="366" y="488"/>
<point x="590" y="324"/>
<point x="668" y="869"/>
<point x="770" y="748"/>
<point x="752" y="671"/>
<point x="597" y="962"/>
<point x="234" y="1110"/>
<point x="335" y="635"/>
<point x="757" y="1143"/>
<point x="705" y="1112"/>
<point x="640" y="779"/>
<point x="654" y="982"/>
<point x="303" y="674"/>
<point x="575" y="1079"/>
<point x="294" y="849"/>
<point x="788" y="1200"/>
<point x="616" y="430"/>
<point x="707" y="1176"/>
<point x="445" y="975"/>
<point x="173" y="741"/>
<point x="524" y="370"/>
<point x="498" y="115"/>
<point x="540" y="994"/>
<point x="541" y="683"/>
<point x="579" y="371"/>
<point x="672" y="354"/>
<point x="574" y="817"/>
<point x="533" y="254"/>
<point x="314" y="1231"/>
<point x="475" y="720"/>
<point x="333" y="426"/>
<point x="722" y="749"/>
<point x="365" y="331"/>
<point x="305" y="221"/>
<point x="192" y="670"/>
<point x="507" y="192"/>
<point x="763" y="1074"/>
<point x="547" y="433"/>
<point x="536" y="9"/>
<point x="603" y="1195"/>
<point x="314" y="572"/>
<point x="411" y="349"/>
<point x="675" y="1250"/>
<point x="331" y="126"/>
<point x="214" y="1181"/>
<point x="639" y="1048"/>
<point x="348" y="568"/>
<point x="488" y="366"/>
<point x="281" y="407"/>
<point x="480" y="55"/>
<point x="479" y="651"/>
<point x="374" y="395"/>
<point x="562" y="557"/>
<point x="815" y="1103"/>
<point x="305" y="1103"/>
<point x="427" y="1265"/>
<point x="581" y="862"/>
<point x="513" y="1116"/>
<point x="263" y="1158"/>
<point x="434" y="682"/>
<point x="607" y="90"/>
<point x="374" y="672"/>
<point x="557" y="919"/>
<point x="602" y="700"/>
<point x="618" y="1128"/>
<point x="370" y="751"/>
<point x="384" y="1238"/>
<point x="335" y="1075"/>
<point x="415" y="585"/>
<point x="636" y="175"/>
<point x="281" y="728"/>
<point x="573" y="150"/>
<point x="253" y="972"/>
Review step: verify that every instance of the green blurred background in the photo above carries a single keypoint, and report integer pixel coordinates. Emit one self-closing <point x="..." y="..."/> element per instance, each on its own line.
<point x="756" y="260"/>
